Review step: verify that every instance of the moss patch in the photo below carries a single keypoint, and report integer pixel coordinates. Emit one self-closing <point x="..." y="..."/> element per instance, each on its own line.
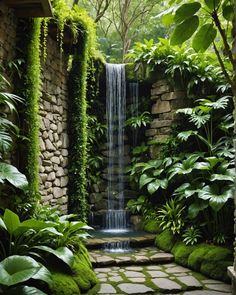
<point x="196" y="258"/>
<point x="182" y="253"/>
<point x="63" y="284"/>
<point x="165" y="240"/>
<point x="83" y="275"/>
<point x="151" y="226"/>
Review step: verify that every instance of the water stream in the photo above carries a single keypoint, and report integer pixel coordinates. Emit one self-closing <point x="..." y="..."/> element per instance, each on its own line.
<point x="116" y="216"/>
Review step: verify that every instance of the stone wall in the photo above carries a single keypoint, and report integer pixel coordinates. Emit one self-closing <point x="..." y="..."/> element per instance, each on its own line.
<point x="166" y="100"/>
<point x="8" y="24"/>
<point x="53" y="128"/>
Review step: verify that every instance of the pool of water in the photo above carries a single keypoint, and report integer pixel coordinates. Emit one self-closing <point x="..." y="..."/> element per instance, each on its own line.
<point x="117" y="233"/>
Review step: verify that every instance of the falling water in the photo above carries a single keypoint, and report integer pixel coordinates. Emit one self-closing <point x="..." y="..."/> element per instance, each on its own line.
<point x="116" y="217"/>
<point x="134" y="99"/>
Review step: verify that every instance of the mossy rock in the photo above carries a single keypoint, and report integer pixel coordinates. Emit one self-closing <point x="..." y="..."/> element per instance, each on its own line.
<point x="83" y="275"/>
<point x="152" y="226"/>
<point x="181" y="251"/>
<point x="196" y="258"/>
<point x="165" y="240"/>
<point x="63" y="284"/>
<point x="215" y="263"/>
<point x="216" y="269"/>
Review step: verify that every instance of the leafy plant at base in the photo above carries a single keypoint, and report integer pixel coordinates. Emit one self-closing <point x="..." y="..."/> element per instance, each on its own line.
<point x="191" y="235"/>
<point x="17" y="270"/>
<point x="8" y="173"/>
<point x="137" y="206"/>
<point x="172" y="216"/>
<point x="139" y="121"/>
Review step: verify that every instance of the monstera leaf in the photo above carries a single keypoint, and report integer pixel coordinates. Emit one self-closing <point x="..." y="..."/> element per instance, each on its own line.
<point x="16" y="269"/>
<point x="12" y="174"/>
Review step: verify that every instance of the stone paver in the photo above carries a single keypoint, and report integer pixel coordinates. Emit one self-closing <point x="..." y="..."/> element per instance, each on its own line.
<point x="107" y="289"/>
<point x="166" y="285"/>
<point x="152" y="277"/>
<point x="134" y="288"/>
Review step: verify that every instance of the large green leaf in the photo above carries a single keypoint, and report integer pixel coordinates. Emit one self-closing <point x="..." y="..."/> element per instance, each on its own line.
<point x="196" y="207"/>
<point x="228" y="12"/>
<point x="17" y="269"/>
<point x="11" y="221"/>
<point x="217" y="195"/>
<point x="155" y="185"/>
<point x="5" y="141"/>
<point x="186" y="10"/>
<point x="212" y="4"/>
<point x="62" y="253"/>
<point x="24" y="290"/>
<point x="13" y="175"/>
<point x="204" y="37"/>
<point x="145" y="179"/>
<point x="184" y="30"/>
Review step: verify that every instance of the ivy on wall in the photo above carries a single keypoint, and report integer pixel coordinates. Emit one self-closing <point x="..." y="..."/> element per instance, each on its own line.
<point x="33" y="93"/>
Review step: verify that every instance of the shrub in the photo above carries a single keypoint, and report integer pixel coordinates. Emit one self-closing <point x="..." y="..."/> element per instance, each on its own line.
<point x="84" y="276"/>
<point x="216" y="269"/>
<point x="197" y="256"/>
<point x="165" y="240"/>
<point x="63" y="284"/>
<point x="151" y="226"/>
<point x="182" y="252"/>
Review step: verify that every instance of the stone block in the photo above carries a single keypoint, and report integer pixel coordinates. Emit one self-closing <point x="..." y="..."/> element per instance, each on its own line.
<point x="150" y="132"/>
<point x="55" y="160"/>
<point x="51" y="176"/>
<point x="57" y="192"/>
<point x="167" y="116"/>
<point x="64" y="181"/>
<point x="160" y="90"/>
<point x="60" y="172"/>
<point x="173" y="95"/>
<point x="49" y="145"/>
<point x="95" y="197"/>
<point x="159" y="83"/>
<point x="161" y="107"/>
<point x="157" y="123"/>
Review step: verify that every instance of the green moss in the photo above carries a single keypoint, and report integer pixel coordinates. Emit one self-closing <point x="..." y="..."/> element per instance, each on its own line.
<point x="182" y="252"/>
<point x="33" y="93"/>
<point x="131" y="73"/>
<point x="165" y="240"/>
<point x="63" y="284"/>
<point x="197" y="256"/>
<point x="152" y="226"/>
<point x="216" y="269"/>
<point x="219" y="254"/>
<point x="83" y="275"/>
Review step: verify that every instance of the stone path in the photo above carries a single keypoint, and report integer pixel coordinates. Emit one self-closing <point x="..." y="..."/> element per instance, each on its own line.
<point x="150" y="271"/>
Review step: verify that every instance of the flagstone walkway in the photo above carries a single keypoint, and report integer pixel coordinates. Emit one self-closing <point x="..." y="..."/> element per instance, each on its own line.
<point x="150" y="271"/>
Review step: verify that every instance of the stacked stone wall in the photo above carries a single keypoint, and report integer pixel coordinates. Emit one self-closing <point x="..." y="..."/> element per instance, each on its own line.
<point x="54" y="139"/>
<point x="8" y="24"/>
<point x="166" y="100"/>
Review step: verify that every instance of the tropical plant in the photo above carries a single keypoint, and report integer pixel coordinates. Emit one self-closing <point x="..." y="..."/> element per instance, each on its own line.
<point x="172" y="216"/>
<point x="9" y="175"/>
<point x="16" y="271"/>
<point x="191" y="235"/>
<point x="139" y="121"/>
<point x="137" y="206"/>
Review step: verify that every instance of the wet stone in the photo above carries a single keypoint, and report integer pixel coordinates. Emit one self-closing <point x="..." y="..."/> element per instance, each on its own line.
<point x="190" y="281"/>
<point x="219" y="287"/>
<point x="162" y="257"/>
<point x="115" y="279"/>
<point x="154" y="267"/>
<point x="157" y="274"/>
<point x="134" y="288"/>
<point x="134" y="274"/>
<point x="203" y="292"/>
<point x="107" y="289"/>
<point x="177" y="269"/>
<point x="166" y="285"/>
<point x="137" y="280"/>
<point x="105" y="269"/>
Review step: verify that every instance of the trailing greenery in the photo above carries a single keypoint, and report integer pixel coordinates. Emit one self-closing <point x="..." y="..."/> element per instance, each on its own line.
<point x="78" y="106"/>
<point x="33" y="93"/>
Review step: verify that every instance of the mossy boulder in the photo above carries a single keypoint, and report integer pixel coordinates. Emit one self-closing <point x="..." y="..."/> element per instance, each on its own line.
<point x="181" y="252"/>
<point x="83" y="275"/>
<point x="165" y="240"/>
<point x="215" y="263"/>
<point x="196" y="258"/>
<point x="63" y="284"/>
<point x="152" y="226"/>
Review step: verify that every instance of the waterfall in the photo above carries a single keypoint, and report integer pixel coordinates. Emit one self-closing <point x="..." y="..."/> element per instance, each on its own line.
<point x="116" y="219"/>
<point x="134" y="99"/>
